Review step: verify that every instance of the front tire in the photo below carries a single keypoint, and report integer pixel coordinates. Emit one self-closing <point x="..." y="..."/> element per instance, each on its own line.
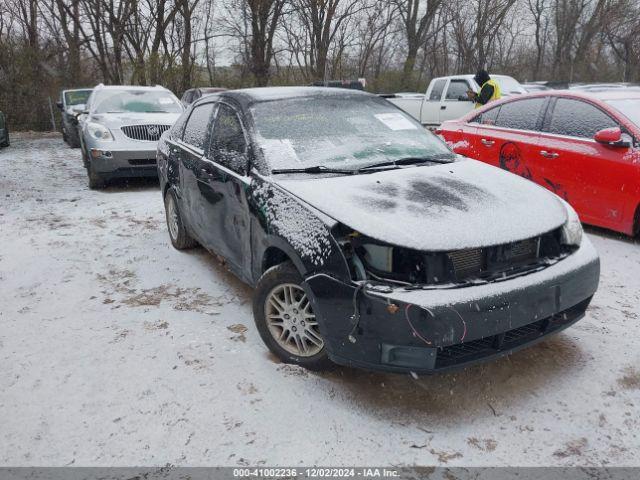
<point x="96" y="181"/>
<point x="284" y="316"/>
<point x="178" y="234"/>
<point x="73" y="141"/>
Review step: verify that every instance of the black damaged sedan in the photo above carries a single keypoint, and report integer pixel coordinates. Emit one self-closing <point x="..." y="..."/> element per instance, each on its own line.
<point x="367" y="241"/>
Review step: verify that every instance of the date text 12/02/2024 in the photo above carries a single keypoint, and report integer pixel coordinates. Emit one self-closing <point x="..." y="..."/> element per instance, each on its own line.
<point x="315" y="472"/>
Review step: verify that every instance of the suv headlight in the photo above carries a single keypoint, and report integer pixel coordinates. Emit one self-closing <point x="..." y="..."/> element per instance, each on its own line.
<point x="99" y="132"/>
<point x="572" y="229"/>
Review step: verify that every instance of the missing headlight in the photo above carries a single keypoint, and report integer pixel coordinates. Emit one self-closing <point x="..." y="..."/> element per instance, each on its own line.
<point x="372" y="260"/>
<point x="387" y="263"/>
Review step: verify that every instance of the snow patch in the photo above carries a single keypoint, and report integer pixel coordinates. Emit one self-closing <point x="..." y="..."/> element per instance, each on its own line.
<point x="292" y="221"/>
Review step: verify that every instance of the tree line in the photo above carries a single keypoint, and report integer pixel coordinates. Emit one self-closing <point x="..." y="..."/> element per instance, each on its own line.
<point x="396" y="45"/>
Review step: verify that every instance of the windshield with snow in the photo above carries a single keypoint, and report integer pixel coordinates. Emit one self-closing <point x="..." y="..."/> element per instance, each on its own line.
<point x="137" y="101"/>
<point x="630" y="108"/>
<point x="339" y="132"/>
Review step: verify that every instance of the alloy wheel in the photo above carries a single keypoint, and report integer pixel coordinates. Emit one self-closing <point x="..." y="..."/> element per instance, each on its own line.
<point x="291" y="320"/>
<point x="172" y="217"/>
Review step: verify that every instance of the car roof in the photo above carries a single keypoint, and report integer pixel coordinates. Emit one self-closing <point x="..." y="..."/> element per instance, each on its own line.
<point x="597" y="97"/>
<point x="130" y="87"/>
<point x="471" y="75"/>
<point x="77" y="90"/>
<point x="616" y="93"/>
<point x="279" y="93"/>
<point x="603" y="94"/>
<point x="210" y="89"/>
<point x="247" y="96"/>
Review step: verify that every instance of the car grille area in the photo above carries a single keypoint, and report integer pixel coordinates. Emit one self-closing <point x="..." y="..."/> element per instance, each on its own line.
<point x="146" y="133"/>
<point x="417" y="269"/>
<point x="138" y="162"/>
<point x="462" y="353"/>
<point x="478" y="262"/>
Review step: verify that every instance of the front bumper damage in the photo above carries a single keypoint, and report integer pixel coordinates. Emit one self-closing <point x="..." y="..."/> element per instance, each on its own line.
<point x="425" y="331"/>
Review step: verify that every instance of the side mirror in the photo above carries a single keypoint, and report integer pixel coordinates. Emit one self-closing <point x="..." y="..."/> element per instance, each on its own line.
<point x="611" y="137"/>
<point x="59" y="105"/>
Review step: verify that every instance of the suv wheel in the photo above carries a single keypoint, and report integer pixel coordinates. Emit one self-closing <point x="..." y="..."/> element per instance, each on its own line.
<point x="285" y="319"/>
<point x="178" y="234"/>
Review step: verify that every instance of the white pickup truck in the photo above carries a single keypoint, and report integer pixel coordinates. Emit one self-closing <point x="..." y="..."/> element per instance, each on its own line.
<point x="446" y="98"/>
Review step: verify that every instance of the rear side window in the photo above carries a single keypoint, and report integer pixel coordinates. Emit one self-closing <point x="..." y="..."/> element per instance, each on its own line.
<point x="575" y="118"/>
<point x="521" y="114"/>
<point x="487" y="118"/>
<point x="457" y="89"/>
<point x="228" y="144"/>
<point x="436" y="90"/>
<point x="195" y="132"/>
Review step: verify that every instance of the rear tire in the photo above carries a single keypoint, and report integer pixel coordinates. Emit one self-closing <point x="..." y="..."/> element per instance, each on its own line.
<point x="180" y="238"/>
<point x="286" y="322"/>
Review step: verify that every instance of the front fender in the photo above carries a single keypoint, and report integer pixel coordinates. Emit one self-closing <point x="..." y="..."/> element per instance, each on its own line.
<point x="297" y="229"/>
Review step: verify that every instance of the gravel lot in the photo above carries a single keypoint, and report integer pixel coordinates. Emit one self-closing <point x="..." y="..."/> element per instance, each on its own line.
<point x="116" y="349"/>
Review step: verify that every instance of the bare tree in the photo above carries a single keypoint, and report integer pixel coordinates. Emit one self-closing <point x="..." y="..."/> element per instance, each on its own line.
<point x="320" y="22"/>
<point x="417" y="23"/>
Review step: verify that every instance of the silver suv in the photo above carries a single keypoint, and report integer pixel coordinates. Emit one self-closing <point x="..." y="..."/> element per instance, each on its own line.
<point x="120" y="129"/>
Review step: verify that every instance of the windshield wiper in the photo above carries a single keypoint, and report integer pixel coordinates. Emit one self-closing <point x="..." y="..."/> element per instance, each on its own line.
<point x="314" y="169"/>
<point x="441" y="158"/>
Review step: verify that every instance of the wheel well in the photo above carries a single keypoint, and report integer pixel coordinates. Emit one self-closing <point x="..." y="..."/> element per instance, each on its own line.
<point x="273" y="256"/>
<point x="636" y="222"/>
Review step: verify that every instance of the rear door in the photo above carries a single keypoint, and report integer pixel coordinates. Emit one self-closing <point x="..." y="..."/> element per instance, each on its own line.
<point x="430" y="111"/>
<point x="455" y="103"/>
<point x="507" y="136"/>
<point x="193" y="145"/>
<point x="225" y="176"/>
<point x="579" y="169"/>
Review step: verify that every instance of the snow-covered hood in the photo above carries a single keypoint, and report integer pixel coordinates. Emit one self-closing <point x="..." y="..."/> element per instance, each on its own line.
<point x="466" y="204"/>
<point x="117" y="120"/>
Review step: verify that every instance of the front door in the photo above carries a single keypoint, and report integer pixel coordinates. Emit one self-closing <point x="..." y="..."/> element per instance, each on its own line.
<point x="580" y="169"/>
<point x="456" y="104"/>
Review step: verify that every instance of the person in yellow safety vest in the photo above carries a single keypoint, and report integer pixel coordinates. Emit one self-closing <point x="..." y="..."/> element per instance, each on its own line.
<point x="489" y="89"/>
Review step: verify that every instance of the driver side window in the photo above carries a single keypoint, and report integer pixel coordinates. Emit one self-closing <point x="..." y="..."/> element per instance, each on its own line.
<point x="457" y="89"/>
<point x="228" y="144"/>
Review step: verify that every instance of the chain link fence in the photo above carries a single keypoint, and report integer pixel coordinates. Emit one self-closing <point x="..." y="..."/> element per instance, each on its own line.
<point x="31" y="113"/>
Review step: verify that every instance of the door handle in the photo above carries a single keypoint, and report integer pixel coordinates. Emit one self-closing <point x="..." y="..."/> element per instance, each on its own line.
<point x="546" y="154"/>
<point x="443" y="107"/>
<point x="487" y="143"/>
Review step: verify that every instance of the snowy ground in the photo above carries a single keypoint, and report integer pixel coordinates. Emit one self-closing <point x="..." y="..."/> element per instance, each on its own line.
<point x="116" y="349"/>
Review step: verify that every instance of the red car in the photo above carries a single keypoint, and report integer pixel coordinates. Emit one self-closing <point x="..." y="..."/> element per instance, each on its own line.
<point x="585" y="147"/>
